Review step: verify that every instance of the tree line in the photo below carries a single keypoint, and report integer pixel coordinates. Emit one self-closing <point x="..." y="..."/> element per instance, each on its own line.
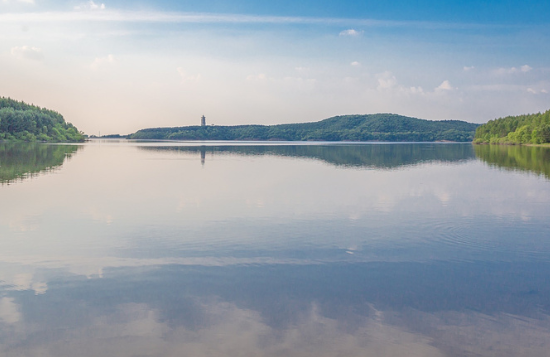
<point x="520" y="129"/>
<point x="374" y="127"/>
<point x="27" y="122"/>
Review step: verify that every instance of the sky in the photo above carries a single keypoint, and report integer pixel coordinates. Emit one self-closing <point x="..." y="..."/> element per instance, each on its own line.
<point x="120" y="66"/>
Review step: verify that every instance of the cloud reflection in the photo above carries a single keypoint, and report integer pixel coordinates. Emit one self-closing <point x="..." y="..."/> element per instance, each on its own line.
<point x="225" y="329"/>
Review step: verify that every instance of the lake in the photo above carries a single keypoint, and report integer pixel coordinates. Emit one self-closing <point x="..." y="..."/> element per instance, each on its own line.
<point x="116" y="248"/>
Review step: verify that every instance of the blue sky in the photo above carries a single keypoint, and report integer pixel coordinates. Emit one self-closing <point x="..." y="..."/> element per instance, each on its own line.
<point x="118" y="66"/>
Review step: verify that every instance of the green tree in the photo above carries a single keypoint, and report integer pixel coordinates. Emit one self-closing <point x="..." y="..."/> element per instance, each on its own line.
<point x="21" y="121"/>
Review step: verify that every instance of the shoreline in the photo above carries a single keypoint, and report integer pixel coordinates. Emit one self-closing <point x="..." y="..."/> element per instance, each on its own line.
<point x="545" y="145"/>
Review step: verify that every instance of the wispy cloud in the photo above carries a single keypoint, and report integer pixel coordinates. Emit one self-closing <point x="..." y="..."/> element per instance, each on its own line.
<point x="101" y="61"/>
<point x="256" y="77"/>
<point x="90" y="5"/>
<point x="185" y="77"/>
<point x="30" y="2"/>
<point x="513" y="70"/>
<point x="525" y="68"/>
<point x="535" y="91"/>
<point x="499" y="87"/>
<point x="386" y="81"/>
<point x="351" y="33"/>
<point x="27" y="52"/>
<point x="468" y="68"/>
<point x="185" y="17"/>
<point x="355" y="64"/>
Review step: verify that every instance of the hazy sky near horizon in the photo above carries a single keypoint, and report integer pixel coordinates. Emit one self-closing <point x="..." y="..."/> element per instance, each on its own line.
<point x="119" y="66"/>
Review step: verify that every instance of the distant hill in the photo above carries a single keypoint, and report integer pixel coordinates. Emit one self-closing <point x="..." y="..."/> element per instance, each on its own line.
<point x="21" y="121"/>
<point x="521" y="129"/>
<point x="373" y="127"/>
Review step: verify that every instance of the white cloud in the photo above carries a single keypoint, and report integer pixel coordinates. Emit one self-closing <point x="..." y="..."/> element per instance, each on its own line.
<point x="90" y="5"/>
<point x="213" y="18"/>
<point x="257" y="77"/>
<point x="513" y="70"/>
<point x="525" y="68"/>
<point x="386" y="80"/>
<point x="187" y="77"/>
<point x="27" y="52"/>
<point x="30" y="2"/>
<point x="100" y="61"/>
<point x="468" y="68"/>
<point x="535" y="91"/>
<point x="497" y="87"/>
<point x="351" y="32"/>
<point x="416" y="90"/>
<point x="355" y="64"/>
<point x="444" y="86"/>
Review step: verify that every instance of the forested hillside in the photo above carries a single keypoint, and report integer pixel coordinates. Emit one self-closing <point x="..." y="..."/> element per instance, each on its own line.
<point x="21" y="121"/>
<point x="521" y="129"/>
<point x="375" y="127"/>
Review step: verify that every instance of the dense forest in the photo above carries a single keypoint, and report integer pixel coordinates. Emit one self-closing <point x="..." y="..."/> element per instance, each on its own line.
<point x="375" y="127"/>
<point x="521" y="129"/>
<point x="21" y="121"/>
<point x="19" y="161"/>
<point x="348" y="155"/>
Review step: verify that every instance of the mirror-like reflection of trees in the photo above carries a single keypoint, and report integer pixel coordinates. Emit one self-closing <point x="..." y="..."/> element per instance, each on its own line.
<point x="19" y="161"/>
<point x="373" y="155"/>
<point x="515" y="157"/>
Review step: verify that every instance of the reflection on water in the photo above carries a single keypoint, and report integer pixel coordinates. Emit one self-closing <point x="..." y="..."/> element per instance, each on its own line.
<point x="137" y="249"/>
<point x="369" y="155"/>
<point x="381" y="309"/>
<point x="516" y="157"/>
<point x="19" y="161"/>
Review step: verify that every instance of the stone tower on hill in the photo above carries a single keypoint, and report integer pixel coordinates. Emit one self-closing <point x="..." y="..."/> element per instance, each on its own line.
<point x="203" y="121"/>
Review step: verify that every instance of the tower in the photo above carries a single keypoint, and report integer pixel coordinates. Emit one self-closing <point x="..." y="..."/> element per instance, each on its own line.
<point x="203" y="121"/>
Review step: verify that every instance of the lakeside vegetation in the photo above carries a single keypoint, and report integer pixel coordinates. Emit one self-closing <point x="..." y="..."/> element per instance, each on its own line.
<point x="26" y="122"/>
<point x="516" y="158"/>
<point x="374" y="127"/>
<point x="19" y="160"/>
<point x="520" y="129"/>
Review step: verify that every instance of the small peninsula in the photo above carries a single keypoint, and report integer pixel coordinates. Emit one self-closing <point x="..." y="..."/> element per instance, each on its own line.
<point x="26" y="122"/>
<point x="372" y="127"/>
<point x="520" y="129"/>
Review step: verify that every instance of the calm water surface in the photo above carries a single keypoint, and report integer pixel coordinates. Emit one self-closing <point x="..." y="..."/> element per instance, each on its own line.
<point x="264" y="249"/>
